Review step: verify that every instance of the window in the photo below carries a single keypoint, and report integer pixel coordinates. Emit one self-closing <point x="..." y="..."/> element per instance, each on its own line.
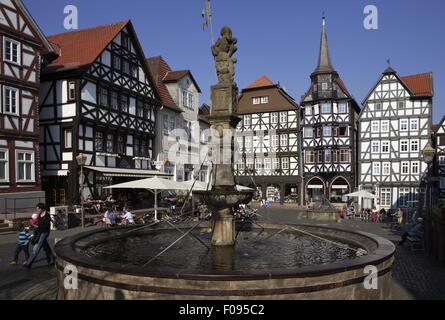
<point x="71" y="90"/>
<point x="134" y="70"/>
<point x="324" y="86"/>
<point x="283" y="117"/>
<point x="375" y="127"/>
<point x="284" y="140"/>
<point x="25" y="166"/>
<point x="267" y="164"/>
<point x="114" y="103"/>
<point x="401" y="104"/>
<point x="285" y="163"/>
<point x="325" y="108"/>
<point x="249" y="163"/>
<point x="12" y="51"/>
<point x="99" y="143"/>
<point x="4" y="166"/>
<point x="120" y="145"/>
<point x="260" y="100"/>
<point x="385" y="126"/>
<point x="414" y="124"/>
<point x="103" y="97"/>
<point x="343" y="131"/>
<point x="376" y="168"/>
<point x="140" y="109"/>
<point x="327" y="156"/>
<point x="403" y="125"/>
<point x="375" y="147"/>
<point x="385" y="197"/>
<point x="327" y="131"/>
<point x="308" y="132"/>
<point x="309" y="156"/>
<point x="415" y="168"/>
<point x="274" y="139"/>
<point x="264" y="100"/>
<point x="256" y="100"/>
<point x="172" y="124"/>
<point x="404" y="146"/>
<point x="11" y="100"/>
<point x="274" y="117"/>
<point x="405" y="167"/>
<point x="441" y="160"/>
<point x="386" y="169"/>
<point x="342" y="107"/>
<point x="378" y="106"/>
<point x="124" y="40"/>
<point x="191" y="101"/>
<point x="385" y="146"/>
<point x="164" y="122"/>
<point x="442" y="183"/>
<point x="275" y="163"/>
<point x="117" y="63"/>
<point x="403" y="197"/>
<point x="124" y="103"/>
<point x="137" y="147"/>
<point x="335" y="156"/>
<point x="110" y="143"/>
<point x="126" y="67"/>
<point x="344" y="156"/>
<point x="308" y="110"/>
<point x="68" y="136"/>
<point x="248" y="120"/>
<point x="319" y="156"/>
<point x="258" y="165"/>
<point x="414" y="146"/>
<point x="249" y="142"/>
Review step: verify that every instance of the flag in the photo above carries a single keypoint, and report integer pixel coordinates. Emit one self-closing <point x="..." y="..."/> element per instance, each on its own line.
<point x="206" y="14"/>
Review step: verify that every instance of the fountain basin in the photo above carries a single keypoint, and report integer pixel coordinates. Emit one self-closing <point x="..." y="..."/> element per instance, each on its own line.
<point x="341" y="278"/>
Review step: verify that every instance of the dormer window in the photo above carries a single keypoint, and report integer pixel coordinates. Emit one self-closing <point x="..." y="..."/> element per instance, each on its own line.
<point x="261" y="100"/>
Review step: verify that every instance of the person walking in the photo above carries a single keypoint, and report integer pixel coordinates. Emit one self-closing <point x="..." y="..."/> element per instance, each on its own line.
<point x="22" y="245"/>
<point x="41" y="235"/>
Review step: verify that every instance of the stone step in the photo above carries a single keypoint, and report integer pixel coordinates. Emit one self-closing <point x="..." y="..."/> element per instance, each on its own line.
<point x="4" y="225"/>
<point x="6" y="230"/>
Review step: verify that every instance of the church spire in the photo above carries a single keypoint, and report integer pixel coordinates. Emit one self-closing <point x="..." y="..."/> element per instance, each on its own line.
<point x="324" y="58"/>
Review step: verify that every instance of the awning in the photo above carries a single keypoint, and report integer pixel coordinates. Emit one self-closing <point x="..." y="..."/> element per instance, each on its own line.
<point x="136" y="173"/>
<point x="55" y="173"/>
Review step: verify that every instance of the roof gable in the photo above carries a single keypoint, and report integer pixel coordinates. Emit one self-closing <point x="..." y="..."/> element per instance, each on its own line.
<point x="262" y="81"/>
<point x="420" y="84"/>
<point x="175" y="76"/>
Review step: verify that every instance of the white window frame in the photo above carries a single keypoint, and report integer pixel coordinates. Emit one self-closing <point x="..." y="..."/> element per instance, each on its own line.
<point x="308" y="111"/>
<point x="412" y="122"/>
<point x="344" y="108"/>
<point x="307" y="153"/>
<point x="283" y="117"/>
<point x="325" y="105"/>
<point x="6" y="161"/>
<point x="267" y="163"/>
<point x="375" y="127"/>
<point x="285" y="163"/>
<point x="441" y="160"/>
<point x="274" y="141"/>
<point x="376" y="168"/>
<point x="265" y="100"/>
<point x="325" y="132"/>
<point x="377" y="145"/>
<point x="68" y="142"/>
<point x="404" y="195"/>
<point x="414" y="143"/>
<point x="273" y="117"/>
<point x="404" y="168"/>
<point x="404" y="145"/>
<point x="248" y="142"/>
<point x="324" y="86"/>
<point x="384" y="127"/>
<point x="415" y="165"/>
<point x="385" y="145"/>
<point x="16" y="91"/>
<point x="404" y="122"/>
<point x="33" y="168"/>
<point x="256" y="100"/>
<point x="19" y="51"/>
<point x="247" y="120"/>
<point x="284" y="140"/>
<point x="308" y="132"/>
<point x="386" y="169"/>
<point x="385" y="197"/>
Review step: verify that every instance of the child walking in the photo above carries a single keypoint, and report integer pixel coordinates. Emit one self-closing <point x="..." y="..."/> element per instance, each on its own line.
<point x="22" y="245"/>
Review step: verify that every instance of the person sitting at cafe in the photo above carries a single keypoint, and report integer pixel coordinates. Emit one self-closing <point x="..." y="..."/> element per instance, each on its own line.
<point x="110" y="217"/>
<point x="127" y="217"/>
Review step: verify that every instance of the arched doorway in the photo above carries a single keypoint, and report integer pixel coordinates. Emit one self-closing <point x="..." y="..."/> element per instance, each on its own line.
<point x="339" y="188"/>
<point x="315" y="189"/>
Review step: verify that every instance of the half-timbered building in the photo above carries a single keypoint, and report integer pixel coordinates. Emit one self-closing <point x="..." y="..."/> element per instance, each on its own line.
<point x="268" y="151"/>
<point x="439" y="144"/>
<point x="329" y="128"/>
<point x="395" y="126"/>
<point x="96" y="99"/>
<point x="177" y="145"/>
<point x="22" y="46"/>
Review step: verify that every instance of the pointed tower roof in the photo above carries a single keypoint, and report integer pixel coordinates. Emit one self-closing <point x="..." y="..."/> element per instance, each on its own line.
<point x="324" y="58"/>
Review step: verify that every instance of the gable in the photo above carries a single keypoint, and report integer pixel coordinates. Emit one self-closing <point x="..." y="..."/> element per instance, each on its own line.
<point x="388" y="87"/>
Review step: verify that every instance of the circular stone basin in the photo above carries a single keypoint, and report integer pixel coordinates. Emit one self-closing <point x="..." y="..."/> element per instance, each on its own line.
<point x="280" y="262"/>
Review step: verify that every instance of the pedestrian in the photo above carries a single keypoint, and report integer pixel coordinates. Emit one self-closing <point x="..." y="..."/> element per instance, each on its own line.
<point x="383" y="215"/>
<point x="414" y="232"/>
<point x="22" y="245"/>
<point x="40" y="239"/>
<point x="399" y="215"/>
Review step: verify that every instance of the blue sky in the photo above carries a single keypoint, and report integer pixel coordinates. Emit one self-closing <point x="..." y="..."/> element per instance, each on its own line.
<point x="278" y="38"/>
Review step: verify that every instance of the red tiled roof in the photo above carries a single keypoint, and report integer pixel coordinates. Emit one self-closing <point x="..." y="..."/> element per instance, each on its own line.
<point x="420" y="84"/>
<point x="262" y="81"/>
<point x="82" y="47"/>
<point x="343" y="86"/>
<point x="158" y="69"/>
<point x="173" y="76"/>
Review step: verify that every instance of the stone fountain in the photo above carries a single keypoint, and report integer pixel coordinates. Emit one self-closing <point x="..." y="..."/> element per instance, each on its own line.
<point x="271" y="261"/>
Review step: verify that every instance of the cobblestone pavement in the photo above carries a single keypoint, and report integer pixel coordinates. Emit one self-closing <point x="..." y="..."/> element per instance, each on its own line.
<point x="414" y="275"/>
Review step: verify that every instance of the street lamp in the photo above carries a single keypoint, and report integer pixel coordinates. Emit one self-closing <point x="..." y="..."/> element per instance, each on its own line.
<point x="428" y="154"/>
<point x="81" y="160"/>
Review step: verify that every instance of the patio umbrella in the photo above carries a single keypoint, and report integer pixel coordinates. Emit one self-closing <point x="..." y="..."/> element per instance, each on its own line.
<point x="361" y="194"/>
<point x="154" y="185"/>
